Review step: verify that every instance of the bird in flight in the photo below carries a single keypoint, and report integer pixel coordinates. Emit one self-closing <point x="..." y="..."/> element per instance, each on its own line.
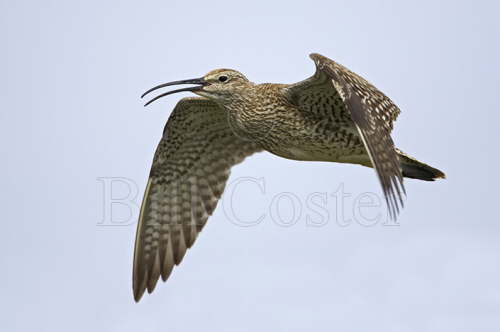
<point x="334" y="115"/>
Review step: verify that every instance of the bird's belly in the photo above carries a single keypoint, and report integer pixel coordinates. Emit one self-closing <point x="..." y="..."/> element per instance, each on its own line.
<point x="299" y="137"/>
<point x="322" y="151"/>
<point x="314" y="143"/>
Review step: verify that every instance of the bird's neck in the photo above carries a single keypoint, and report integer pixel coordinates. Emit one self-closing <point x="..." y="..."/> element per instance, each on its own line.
<point x="250" y="113"/>
<point x="240" y="102"/>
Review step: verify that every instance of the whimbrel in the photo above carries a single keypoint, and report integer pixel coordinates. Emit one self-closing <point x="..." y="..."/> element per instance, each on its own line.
<point x="335" y="116"/>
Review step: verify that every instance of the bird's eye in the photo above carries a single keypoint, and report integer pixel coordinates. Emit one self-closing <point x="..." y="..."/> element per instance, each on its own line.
<point x="222" y="78"/>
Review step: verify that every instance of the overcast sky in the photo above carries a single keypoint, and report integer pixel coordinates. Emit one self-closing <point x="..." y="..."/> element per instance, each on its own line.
<point x="283" y="255"/>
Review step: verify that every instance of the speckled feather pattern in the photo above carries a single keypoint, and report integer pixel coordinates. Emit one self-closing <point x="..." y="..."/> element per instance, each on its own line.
<point x="370" y="112"/>
<point x="335" y="115"/>
<point x="190" y="168"/>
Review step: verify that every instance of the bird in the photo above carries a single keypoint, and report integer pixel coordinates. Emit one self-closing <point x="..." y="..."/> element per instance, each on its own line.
<point x="333" y="116"/>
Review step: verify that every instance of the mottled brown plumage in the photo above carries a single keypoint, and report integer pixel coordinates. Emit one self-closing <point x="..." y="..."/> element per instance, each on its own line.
<point x="335" y="115"/>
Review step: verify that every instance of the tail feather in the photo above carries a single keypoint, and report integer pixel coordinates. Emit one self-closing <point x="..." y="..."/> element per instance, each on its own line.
<point x="412" y="168"/>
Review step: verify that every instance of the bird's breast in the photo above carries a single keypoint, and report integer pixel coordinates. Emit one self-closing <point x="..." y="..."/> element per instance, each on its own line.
<point x="294" y="133"/>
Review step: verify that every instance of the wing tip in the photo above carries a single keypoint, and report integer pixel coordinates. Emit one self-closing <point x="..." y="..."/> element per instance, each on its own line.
<point x="138" y="296"/>
<point x="138" y="291"/>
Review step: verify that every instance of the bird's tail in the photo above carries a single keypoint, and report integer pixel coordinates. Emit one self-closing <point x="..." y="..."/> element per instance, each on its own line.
<point x="412" y="168"/>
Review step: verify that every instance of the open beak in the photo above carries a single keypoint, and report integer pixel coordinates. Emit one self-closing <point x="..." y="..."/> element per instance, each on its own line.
<point x="201" y="81"/>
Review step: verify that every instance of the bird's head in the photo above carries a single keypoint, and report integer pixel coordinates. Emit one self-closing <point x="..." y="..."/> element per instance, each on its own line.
<point x="220" y="85"/>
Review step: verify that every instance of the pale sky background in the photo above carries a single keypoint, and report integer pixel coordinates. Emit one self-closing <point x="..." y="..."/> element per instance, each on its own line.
<point x="72" y="74"/>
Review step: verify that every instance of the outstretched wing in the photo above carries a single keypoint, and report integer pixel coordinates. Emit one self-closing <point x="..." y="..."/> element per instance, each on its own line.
<point x="372" y="114"/>
<point x="189" y="172"/>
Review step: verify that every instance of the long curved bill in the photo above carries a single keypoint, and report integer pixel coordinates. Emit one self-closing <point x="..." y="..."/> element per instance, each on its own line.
<point x="200" y="81"/>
